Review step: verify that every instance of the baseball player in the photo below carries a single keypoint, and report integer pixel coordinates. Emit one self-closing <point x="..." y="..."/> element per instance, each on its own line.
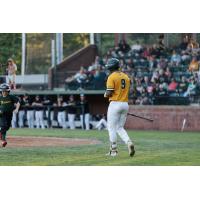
<point x="14" y="120"/>
<point x="118" y="84"/>
<point x="102" y="123"/>
<point x="21" y="113"/>
<point x="48" y="104"/>
<point x="29" y="111"/>
<point x="39" y="111"/>
<point x="7" y="107"/>
<point x="85" y="112"/>
<point x="71" y="110"/>
<point x="61" y="112"/>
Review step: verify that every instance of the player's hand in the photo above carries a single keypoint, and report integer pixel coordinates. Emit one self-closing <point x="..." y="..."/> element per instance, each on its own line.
<point x="15" y="111"/>
<point x="105" y="95"/>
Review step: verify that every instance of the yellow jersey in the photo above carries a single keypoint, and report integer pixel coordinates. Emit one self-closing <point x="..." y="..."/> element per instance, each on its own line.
<point x="119" y="83"/>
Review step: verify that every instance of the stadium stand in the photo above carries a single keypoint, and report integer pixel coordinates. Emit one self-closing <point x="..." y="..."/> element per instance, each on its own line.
<point x="159" y="75"/>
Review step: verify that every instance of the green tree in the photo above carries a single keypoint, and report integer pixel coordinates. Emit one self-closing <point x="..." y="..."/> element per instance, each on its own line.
<point x="73" y="42"/>
<point x="10" y="47"/>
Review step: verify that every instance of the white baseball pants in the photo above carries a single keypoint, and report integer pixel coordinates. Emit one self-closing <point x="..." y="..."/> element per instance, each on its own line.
<point x="71" y="118"/>
<point x="62" y="120"/>
<point x="101" y="123"/>
<point x="87" y="121"/>
<point x="39" y="119"/>
<point x="21" y="118"/>
<point x="116" y="116"/>
<point x="51" y="114"/>
<point x="14" y="120"/>
<point x="30" y="118"/>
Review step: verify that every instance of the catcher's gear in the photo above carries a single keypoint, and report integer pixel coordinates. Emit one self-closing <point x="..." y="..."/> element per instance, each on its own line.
<point x="4" y="87"/>
<point x="113" y="64"/>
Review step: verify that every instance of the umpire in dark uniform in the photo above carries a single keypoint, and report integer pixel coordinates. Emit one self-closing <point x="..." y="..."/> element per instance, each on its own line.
<point x="7" y="107"/>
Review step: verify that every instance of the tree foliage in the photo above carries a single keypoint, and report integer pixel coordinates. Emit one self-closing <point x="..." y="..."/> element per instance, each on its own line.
<point x="10" y="47"/>
<point x="73" y="42"/>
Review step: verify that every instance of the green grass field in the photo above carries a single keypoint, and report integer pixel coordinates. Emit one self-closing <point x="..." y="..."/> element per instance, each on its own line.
<point x="152" y="149"/>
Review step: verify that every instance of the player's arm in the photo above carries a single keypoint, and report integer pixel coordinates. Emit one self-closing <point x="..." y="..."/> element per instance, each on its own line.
<point x="17" y="104"/>
<point x="15" y="101"/>
<point x="108" y="93"/>
<point x="17" y="107"/>
<point x="110" y="87"/>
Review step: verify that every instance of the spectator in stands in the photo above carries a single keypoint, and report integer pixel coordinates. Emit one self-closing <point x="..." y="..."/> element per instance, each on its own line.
<point x="71" y="110"/>
<point x="162" y="64"/>
<point x="192" y="45"/>
<point x="184" y="44"/>
<point x="99" y="79"/>
<point x="172" y="87"/>
<point x="152" y="63"/>
<point x="145" y="81"/>
<point x="150" y="95"/>
<point x="194" y="65"/>
<point x="161" y="45"/>
<point x="39" y="113"/>
<point x="162" y="92"/>
<point x="79" y="78"/>
<point x="85" y="112"/>
<point x="137" y="47"/>
<point x="155" y="51"/>
<point x="61" y="106"/>
<point x="29" y="111"/>
<point x="162" y="77"/>
<point x="182" y="86"/>
<point x="185" y="57"/>
<point x="11" y="72"/>
<point x="191" y="90"/>
<point x="155" y="76"/>
<point x="168" y="74"/>
<point x="130" y="64"/>
<point x="123" y="46"/>
<point x="175" y="58"/>
<point x="146" y="52"/>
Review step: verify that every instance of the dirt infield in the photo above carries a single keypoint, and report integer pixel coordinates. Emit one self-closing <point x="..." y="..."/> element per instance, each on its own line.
<point x="18" y="141"/>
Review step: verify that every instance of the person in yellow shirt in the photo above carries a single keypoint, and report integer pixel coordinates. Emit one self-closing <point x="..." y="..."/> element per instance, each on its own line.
<point x="118" y="85"/>
<point x="194" y="65"/>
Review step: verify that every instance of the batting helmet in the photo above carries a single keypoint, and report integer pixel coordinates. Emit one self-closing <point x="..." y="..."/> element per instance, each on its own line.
<point x="4" y="87"/>
<point x="112" y="64"/>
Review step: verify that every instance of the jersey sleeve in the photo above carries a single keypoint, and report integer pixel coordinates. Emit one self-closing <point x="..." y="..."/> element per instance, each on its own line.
<point x="110" y="83"/>
<point x="15" y="99"/>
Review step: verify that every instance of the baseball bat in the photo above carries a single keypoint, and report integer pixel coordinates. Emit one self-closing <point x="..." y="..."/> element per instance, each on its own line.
<point x="148" y="119"/>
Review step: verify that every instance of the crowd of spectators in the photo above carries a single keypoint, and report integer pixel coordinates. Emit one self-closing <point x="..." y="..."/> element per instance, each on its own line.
<point x="156" y="71"/>
<point x="92" y="77"/>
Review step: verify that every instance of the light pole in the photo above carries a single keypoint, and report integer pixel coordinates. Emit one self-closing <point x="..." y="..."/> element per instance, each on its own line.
<point x="59" y="47"/>
<point x="23" y="53"/>
<point x="91" y="38"/>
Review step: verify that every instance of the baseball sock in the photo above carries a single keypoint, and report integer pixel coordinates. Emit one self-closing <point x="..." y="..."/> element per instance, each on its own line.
<point x="113" y="146"/>
<point x="3" y="135"/>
